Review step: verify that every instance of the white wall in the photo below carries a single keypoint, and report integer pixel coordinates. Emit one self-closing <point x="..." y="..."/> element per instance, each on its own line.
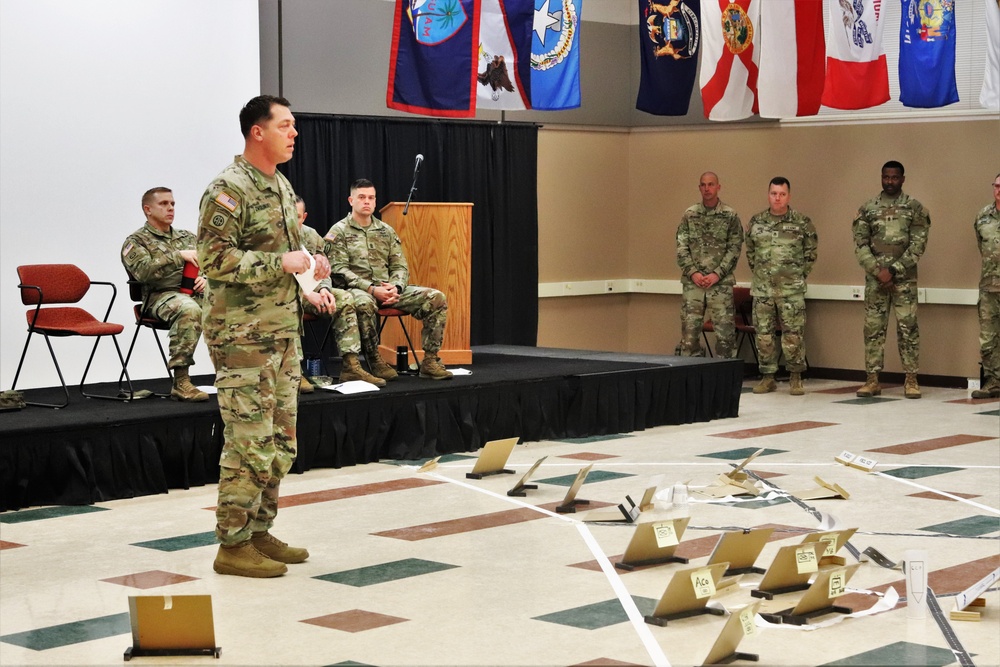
<point x="100" y="101"/>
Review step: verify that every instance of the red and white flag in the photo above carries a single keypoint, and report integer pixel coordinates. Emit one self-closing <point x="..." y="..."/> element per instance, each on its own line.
<point x="792" y="58"/>
<point x="856" y="73"/>
<point x="729" y="58"/>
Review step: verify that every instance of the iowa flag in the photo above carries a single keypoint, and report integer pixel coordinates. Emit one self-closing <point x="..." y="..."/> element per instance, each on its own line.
<point x="927" y="54"/>
<point x="669" y="45"/>
<point x="857" y="76"/>
<point x="792" y="58"/>
<point x="729" y="60"/>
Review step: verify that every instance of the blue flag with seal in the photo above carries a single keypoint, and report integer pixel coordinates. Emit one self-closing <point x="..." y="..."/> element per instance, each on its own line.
<point x="432" y="66"/>
<point x="927" y="54"/>
<point x="669" y="37"/>
<point x="555" y="55"/>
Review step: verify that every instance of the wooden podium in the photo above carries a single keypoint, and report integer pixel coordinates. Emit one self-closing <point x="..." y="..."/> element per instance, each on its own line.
<point x="437" y="242"/>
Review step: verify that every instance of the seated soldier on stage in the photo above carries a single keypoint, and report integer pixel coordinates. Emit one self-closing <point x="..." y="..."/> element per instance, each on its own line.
<point x="155" y="256"/>
<point x="366" y="254"/>
<point x="345" y="321"/>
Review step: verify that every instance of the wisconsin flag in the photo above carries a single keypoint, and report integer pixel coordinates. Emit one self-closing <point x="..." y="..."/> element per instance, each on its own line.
<point x="504" y="57"/>
<point x="989" y="96"/>
<point x="857" y="76"/>
<point x="729" y="58"/>
<point x="669" y="41"/>
<point x="927" y="54"/>
<point x="792" y="58"/>
<point x="435" y="46"/>
<point x="555" y="55"/>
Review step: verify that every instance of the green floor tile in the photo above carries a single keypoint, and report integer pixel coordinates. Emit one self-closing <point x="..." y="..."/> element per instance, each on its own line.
<point x="180" y="542"/>
<point x="967" y="527"/>
<point x="918" y="472"/>
<point x="350" y="663"/>
<point x="868" y="400"/>
<point x="990" y="413"/>
<point x="68" y="634"/>
<point x="21" y="516"/>
<point x="899" y="653"/>
<point x="446" y="458"/>
<point x="379" y="574"/>
<point x="599" y="614"/>
<point x="740" y="454"/>
<point x="592" y="476"/>
<point x="758" y="504"/>
<point x="595" y="438"/>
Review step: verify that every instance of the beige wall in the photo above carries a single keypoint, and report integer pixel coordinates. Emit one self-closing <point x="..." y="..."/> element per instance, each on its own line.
<point x="609" y="204"/>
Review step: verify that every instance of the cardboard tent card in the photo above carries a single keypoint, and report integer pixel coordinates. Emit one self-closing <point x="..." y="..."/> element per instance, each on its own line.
<point x="688" y="594"/>
<point x="740" y="548"/>
<point x="493" y="458"/>
<point x="171" y="625"/>
<point x="824" y="491"/>
<point x="654" y="542"/>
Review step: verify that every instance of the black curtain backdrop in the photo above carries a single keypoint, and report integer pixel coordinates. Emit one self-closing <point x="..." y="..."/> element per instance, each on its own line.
<point x="494" y="166"/>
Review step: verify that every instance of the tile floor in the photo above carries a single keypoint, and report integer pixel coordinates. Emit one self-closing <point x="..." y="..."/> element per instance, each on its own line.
<point x="431" y="568"/>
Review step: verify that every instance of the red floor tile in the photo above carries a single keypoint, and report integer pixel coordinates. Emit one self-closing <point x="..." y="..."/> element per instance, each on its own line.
<point x="930" y="445"/>
<point x="355" y="620"/>
<point x="773" y="430"/>
<point x="151" y="579"/>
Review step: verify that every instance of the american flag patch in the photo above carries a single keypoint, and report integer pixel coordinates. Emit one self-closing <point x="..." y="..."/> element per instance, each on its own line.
<point x="127" y="249"/>
<point x="227" y="202"/>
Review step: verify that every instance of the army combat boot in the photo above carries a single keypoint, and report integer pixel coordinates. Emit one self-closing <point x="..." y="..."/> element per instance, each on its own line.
<point x="795" y="384"/>
<point x="244" y="560"/>
<point x="183" y="390"/>
<point x="379" y="367"/>
<point x="350" y="369"/>
<point x="870" y="388"/>
<point x="273" y="548"/>
<point x="990" y="390"/>
<point x="766" y="385"/>
<point x="305" y="386"/>
<point x="431" y="368"/>
<point x="910" y="387"/>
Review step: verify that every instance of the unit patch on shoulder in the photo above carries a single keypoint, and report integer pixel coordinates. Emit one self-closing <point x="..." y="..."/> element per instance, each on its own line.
<point x="227" y="201"/>
<point x="218" y="220"/>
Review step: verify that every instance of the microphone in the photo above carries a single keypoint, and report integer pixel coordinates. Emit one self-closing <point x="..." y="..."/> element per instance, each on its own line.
<point x="420" y="158"/>
<point x="413" y="187"/>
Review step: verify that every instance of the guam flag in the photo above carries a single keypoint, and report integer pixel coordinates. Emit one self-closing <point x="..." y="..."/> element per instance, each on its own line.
<point x="927" y="54"/>
<point x="669" y="40"/>
<point x="434" y="53"/>
<point x="555" y="55"/>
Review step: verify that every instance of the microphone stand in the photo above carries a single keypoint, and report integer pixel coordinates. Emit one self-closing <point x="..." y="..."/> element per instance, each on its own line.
<point x="413" y="188"/>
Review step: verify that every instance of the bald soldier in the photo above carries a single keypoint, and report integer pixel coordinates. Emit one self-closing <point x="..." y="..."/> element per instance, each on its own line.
<point x="709" y="241"/>
<point x="988" y="239"/>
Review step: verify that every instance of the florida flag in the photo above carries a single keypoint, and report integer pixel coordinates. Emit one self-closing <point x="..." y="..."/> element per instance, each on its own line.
<point x="857" y="76"/>
<point x="729" y="59"/>
<point x="792" y="58"/>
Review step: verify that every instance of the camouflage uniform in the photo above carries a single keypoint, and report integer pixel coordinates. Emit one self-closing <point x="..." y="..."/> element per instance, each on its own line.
<point x="363" y="256"/>
<point x="152" y="257"/>
<point x="252" y="326"/>
<point x="345" y="319"/>
<point x="891" y="234"/>
<point x="781" y="252"/>
<point x="708" y="241"/>
<point x="988" y="238"/>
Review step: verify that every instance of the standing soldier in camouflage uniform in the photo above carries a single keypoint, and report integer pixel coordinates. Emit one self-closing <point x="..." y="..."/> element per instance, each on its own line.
<point x="988" y="237"/>
<point x="155" y="256"/>
<point x="781" y="251"/>
<point x="345" y="320"/>
<point x="367" y="256"/>
<point x="709" y="241"/>
<point x="890" y="234"/>
<point x="249" y="246"/>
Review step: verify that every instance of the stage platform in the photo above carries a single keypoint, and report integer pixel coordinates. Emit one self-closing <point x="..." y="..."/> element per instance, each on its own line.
<point x="97" y="450"/>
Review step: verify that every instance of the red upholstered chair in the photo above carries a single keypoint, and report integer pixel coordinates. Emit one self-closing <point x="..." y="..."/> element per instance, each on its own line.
<point x="144" y="319"/>
<point x="46" y="284"/>
<point x="384" y="314"/>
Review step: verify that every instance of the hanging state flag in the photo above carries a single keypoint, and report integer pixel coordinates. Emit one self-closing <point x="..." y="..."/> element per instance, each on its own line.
<point x="434" y="53"/>
<point x="792" y="58"/>
<point x="927" y="54"/>
<point x="669" y="41"/>
<point x="555" y="55"/>
<point x="989" y="96"/>
<point x="857" y="76"/>
<point x="729" y="59"/>
<point x="504" y="57"/>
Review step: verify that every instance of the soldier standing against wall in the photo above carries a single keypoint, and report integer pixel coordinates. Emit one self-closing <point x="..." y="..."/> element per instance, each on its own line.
<point x="781" y="251"/>
<point x="988" y="238"/>
<point x="890" y="234"/>
<point x="249" y="246"/>
<point x="709" y="241"/>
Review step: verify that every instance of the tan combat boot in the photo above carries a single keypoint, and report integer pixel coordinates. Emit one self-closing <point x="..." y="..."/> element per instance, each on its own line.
<point x="870" y="388"/>
<point x="431" y="368"/>
<point x="795" y="384"/>
<point x="910" y="387"/>
<point x="379" y="367"/>
<point x="350" y="369"/>
<point x="990" y="390"/>
<point x="766" y="385"/>
<point x="305" y="386"/>
<point x="273" y="548"/>
<point x="183" y="390"/>
<point x="244" y="560"/>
